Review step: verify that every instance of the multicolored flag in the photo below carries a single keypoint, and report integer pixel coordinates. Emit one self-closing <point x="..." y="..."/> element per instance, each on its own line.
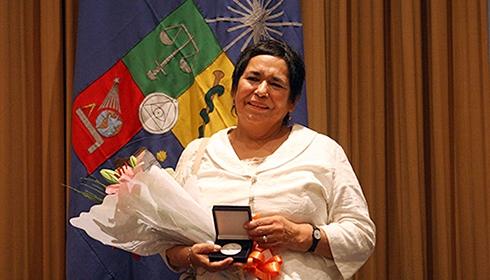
<point x="156" y="74"/>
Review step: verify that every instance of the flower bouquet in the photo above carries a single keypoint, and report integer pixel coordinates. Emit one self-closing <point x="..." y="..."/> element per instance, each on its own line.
<point x="145" y="211"/>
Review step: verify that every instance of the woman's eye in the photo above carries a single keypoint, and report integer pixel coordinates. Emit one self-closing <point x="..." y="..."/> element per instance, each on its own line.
<point x="277" y="85"/>
<point x="253" y="79"/>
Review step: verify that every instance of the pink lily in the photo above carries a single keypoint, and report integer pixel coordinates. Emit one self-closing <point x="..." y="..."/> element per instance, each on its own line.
<point x="126" y="173"/>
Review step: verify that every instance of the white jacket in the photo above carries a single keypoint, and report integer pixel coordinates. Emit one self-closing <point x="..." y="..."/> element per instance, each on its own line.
<point x="308" y="179"/>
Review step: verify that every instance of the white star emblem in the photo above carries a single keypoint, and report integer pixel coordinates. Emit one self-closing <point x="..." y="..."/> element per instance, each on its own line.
<point x="254" y="17"/>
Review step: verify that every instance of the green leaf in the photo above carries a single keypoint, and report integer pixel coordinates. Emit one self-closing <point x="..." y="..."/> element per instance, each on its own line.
<point x="95" y="189"/>
<point x="86" y="194"/>
<point x="92" y="197"/>
<point x="94" y="182"/>
<point x="133" y="161"/>
<point x="110" y="175"/>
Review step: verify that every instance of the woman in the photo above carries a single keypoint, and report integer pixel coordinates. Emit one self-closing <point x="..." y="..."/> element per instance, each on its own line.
<point x="312" y="209"/>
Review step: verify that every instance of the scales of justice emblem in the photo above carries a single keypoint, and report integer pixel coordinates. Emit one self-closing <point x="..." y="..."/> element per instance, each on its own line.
<point x="167" y="40"/>
<point x="108" y="122"/>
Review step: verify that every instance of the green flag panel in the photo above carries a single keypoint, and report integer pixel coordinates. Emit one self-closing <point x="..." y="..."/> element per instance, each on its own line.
<point x="168" y="58"/>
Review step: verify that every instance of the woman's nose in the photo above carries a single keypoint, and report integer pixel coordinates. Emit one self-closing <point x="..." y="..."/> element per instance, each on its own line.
<point x="261" y="90"/>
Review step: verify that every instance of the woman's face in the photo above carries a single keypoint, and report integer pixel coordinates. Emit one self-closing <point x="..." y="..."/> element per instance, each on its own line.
<point x="262" y="94"/>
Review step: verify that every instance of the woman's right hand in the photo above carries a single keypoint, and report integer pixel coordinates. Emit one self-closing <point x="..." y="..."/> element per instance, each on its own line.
<point x="198" y="257"/>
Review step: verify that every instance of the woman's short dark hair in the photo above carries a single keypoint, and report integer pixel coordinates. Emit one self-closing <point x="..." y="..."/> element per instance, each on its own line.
<point x="296" y="67"/>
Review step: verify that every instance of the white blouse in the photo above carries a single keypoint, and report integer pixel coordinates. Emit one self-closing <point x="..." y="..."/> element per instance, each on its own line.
<point x="308" y="179"/>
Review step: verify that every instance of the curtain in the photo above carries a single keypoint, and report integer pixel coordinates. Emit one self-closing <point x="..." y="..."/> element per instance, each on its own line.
<point x="35" y="73"/>
<point x="404" y="87"/>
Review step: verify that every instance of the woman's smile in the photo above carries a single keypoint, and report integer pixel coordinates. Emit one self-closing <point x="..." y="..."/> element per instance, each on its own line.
<point x="255" y="105"/>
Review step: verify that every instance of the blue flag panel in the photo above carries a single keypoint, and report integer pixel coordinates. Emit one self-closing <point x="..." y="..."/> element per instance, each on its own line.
<point x="106" y="97"/>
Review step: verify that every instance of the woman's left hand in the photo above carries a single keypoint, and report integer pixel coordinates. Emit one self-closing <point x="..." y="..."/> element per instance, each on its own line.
<point x="277" y="231"/>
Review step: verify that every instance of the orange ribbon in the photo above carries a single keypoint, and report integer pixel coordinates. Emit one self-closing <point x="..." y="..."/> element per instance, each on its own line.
<point x="263" y="263"/>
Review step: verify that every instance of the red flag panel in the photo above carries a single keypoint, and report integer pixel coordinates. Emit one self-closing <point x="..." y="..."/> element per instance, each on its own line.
<point x="105" y="116"/>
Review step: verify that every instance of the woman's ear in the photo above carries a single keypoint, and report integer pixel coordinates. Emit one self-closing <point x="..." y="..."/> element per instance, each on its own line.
<point x="233" y="95"/>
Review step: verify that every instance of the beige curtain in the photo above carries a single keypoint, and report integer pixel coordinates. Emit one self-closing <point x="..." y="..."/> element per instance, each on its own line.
<point x="404" y="86"/>
<point x="35" y="71"/>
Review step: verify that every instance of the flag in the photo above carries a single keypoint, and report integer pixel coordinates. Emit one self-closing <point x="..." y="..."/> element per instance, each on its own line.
<point x="156" y="74"/>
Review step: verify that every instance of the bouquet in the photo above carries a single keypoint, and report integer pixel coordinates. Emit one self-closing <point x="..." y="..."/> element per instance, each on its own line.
<point x="145" y="211"/>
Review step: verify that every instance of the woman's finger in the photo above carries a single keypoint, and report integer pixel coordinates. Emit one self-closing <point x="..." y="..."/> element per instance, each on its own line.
<point x="219" y="265"/>
<point x="198" y="254"/>
<point x="205" y="248"/>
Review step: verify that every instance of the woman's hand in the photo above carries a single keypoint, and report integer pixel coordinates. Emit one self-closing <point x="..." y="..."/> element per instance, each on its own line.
<point x="198" y="257"/>
<point x="277" y="231"/>
<point x="194" y="256"/>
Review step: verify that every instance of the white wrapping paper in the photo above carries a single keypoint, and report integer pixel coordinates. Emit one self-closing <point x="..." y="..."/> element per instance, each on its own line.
<point x="149" y="212"/>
